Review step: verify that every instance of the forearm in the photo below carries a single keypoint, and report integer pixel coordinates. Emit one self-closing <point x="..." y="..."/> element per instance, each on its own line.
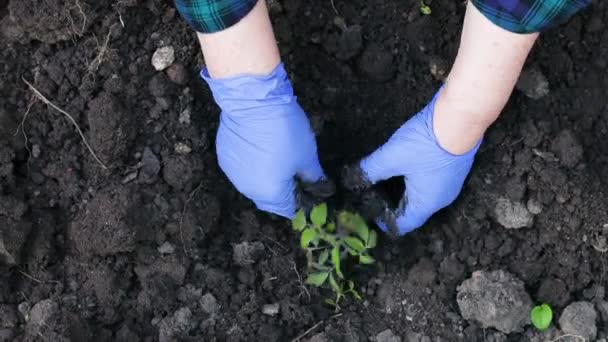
<point x="481" y="81"/>
<point x="248" y="47"/>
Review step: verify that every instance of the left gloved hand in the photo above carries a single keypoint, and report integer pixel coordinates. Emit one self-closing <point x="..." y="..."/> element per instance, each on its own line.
<point x="265" y="141"/>
<point x="433" y="176"/>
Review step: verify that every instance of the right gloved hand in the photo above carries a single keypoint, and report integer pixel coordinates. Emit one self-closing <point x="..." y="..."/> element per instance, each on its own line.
<point x="264" y="139"/>
<point x="433" y="176"/>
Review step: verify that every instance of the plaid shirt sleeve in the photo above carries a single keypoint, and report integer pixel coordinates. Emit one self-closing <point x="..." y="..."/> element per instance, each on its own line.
<point x="209" y="16"/>
<point x="527" y="16"/>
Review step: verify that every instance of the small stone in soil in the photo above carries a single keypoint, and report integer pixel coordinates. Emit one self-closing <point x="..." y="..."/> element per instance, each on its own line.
<point x="209" y="304"/>
<point x="184" y="117"/>
<point x="36" y="151"/>
<point x="534" y="206"/>
<point x="496" y="300"/>
<point x="182" y="149"/>
<point x="271" y="309"/>
<point x="387" y="336"/>
<point x="163" y="57"/>
<point x="533" y="83"/>
<point x="512" y="215"/>
<point x="150" y="168"/>
<point x="166" y="248"/>
<point x="579" y="318"/>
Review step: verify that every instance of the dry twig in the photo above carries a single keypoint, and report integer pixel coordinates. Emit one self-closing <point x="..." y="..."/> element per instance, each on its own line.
<point x="22" y="126"/>
<point x="181" y="219"/>
<point x="577" y="337"/>
<point x="67" y="115"/>
<point x="101" y="52"/>
<point x="300" y="279"/>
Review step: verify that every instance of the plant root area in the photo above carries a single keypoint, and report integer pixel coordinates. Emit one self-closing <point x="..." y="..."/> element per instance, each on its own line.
<point x="116" y="223"/>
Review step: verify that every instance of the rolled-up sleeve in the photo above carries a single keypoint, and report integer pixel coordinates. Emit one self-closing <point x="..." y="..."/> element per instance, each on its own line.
<point x="528" y="16"/>
<point x="208" y="16"/>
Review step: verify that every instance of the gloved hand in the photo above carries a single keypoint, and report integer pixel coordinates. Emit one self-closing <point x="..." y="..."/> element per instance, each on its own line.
<point x="264" y="139"/>
<point x="433" y="176"/>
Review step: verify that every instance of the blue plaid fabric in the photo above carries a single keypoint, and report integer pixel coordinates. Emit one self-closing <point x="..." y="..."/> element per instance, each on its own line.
<point x="520" y="16"/>
<point x="527" y="16"/>
<point x="209" y="16"/>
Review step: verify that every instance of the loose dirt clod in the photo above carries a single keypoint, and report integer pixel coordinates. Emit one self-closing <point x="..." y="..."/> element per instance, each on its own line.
<point x="109" y="127"/>
<point x="102" y="227"/>
<point x="567" y="148"/>
<point x="512" y="215"/>
<point x="579" y="318"/>
<point x="178" y="74"/>
<point x="496" y="300"/>
<point x="387" y="336"/>
<point x="176" y="326"/>
<point x="8" y="316"/>
<point x="533" y="83"/>
<point x="247" y="253"/>
<point x="209" y="304"/>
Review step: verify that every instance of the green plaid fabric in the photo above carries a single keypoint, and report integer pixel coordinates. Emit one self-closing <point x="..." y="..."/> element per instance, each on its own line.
<point x="520" y="16"/>
<point x="209" y="16"/>
<point x="527" y="16"/>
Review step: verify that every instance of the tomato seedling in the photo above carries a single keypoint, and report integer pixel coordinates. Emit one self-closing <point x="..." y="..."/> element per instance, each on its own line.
<point x="329" y="243"/>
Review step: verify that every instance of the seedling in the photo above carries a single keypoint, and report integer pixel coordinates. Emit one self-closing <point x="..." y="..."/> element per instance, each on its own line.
<point x="541" y="316"/>
<point x="328" y="244"/>
<point x="424" y="8"/>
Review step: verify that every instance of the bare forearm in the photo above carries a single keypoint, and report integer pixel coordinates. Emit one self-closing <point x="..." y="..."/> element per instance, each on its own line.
<point x="248" y="47"/>
<point x="480" y="83"/>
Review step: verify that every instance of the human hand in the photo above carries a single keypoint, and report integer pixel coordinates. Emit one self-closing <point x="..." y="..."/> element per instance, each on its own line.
<point x="264" y="139"/>
<point x="433" y="176"/>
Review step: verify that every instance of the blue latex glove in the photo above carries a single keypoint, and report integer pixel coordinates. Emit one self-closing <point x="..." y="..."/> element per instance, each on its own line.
<point x="433" y="176"/>
<point x="264" y="139"/>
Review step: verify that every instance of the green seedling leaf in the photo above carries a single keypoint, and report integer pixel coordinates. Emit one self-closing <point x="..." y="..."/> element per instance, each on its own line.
<point x="299" y="221"/>
<point x="366" y="259"/>
<point x="354" y="223"/>
<point x="334" y="284"/>
<point x="335" y="259"/>
<point x="360" y="227"/>
<point x="330" y="227"/>
<point x="330" y="302"/>
<point x="373" y="239"/>
<point x="541" y="316"/>
<point x="354" y="243"/>
<point x="318" y="215"/>
<point x="424" y="8"/>
<point x="317" y="279"/>
<point x="307" y="236"/>
<point x="323" y="257"/>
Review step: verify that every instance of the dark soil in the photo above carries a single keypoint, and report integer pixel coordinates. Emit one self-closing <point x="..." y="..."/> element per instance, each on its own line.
<point x="144" y="250"/>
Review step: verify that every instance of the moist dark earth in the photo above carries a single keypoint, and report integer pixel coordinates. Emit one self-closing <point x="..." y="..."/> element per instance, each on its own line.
<point x="156" y="245"/>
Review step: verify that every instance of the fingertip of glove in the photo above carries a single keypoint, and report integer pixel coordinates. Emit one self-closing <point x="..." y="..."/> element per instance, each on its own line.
<point x="288" y="213"/>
